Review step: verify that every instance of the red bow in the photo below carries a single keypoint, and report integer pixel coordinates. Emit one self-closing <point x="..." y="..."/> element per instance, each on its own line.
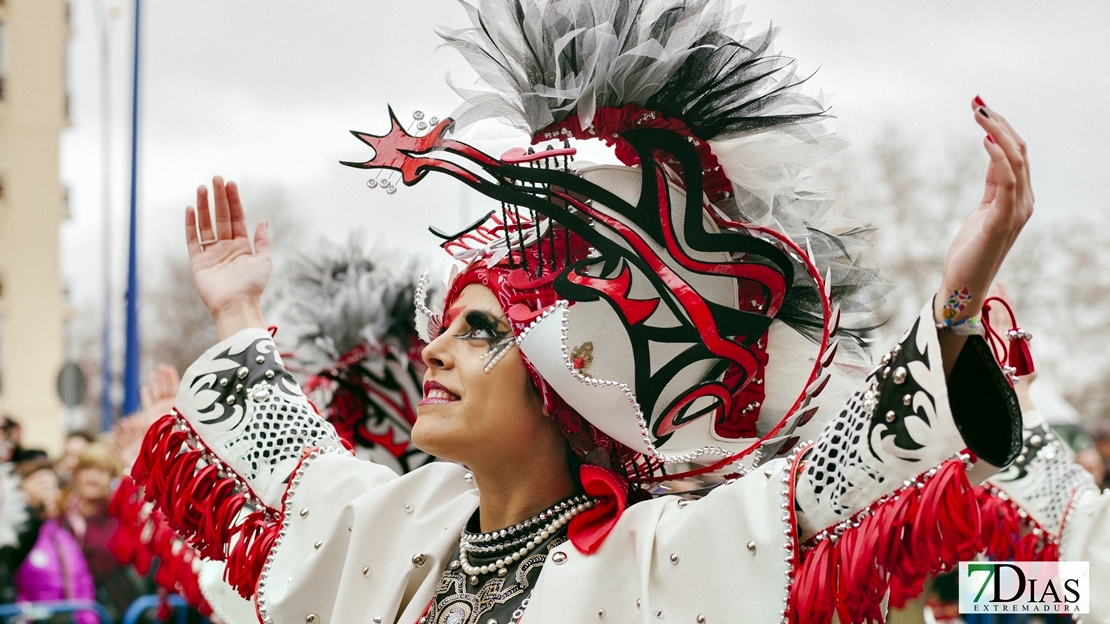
<point x="590" y="528"/>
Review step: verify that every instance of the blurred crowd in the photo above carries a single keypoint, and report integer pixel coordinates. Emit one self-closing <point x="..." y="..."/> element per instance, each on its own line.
<point x="57" y="512"/>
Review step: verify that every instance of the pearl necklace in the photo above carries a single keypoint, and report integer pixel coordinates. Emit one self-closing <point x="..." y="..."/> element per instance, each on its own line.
<point x="569" y="510"/>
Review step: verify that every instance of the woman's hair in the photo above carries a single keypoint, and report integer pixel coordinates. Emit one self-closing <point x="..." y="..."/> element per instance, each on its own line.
<point x="98" y="455"/>
<point x="29" y="467"/>
<point x="84" y="435"/>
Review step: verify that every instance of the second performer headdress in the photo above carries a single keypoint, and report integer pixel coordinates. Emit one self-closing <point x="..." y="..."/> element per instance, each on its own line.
<point x="351" y="308"/>
<point x="643" y="295"/>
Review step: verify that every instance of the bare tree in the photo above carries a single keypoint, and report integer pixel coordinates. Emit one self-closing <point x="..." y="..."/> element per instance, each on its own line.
<point x="1058" y="273"/>
<point x="177" y="328"/>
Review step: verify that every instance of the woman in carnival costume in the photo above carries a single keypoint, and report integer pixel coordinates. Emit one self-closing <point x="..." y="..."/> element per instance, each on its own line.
<point x="611" y="328"/>
<point x="351" y="311"/>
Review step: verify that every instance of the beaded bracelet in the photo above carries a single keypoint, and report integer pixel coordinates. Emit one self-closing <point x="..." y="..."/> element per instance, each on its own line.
<point x="970" y="326"/>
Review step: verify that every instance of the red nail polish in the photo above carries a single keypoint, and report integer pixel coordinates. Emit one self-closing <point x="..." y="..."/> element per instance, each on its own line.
<point x="979" y="101"/>
<point x="990" y="138"/>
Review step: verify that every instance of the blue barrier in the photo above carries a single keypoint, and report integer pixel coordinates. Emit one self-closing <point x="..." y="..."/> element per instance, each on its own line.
<point x="142" y="603"/>
<point x="46" y="608"/>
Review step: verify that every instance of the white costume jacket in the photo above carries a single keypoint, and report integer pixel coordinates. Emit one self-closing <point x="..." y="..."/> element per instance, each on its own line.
<point x="249" y="473"/>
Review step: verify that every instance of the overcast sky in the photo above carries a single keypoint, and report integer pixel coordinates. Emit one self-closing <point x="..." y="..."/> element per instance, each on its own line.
<point x="264" y="91"/>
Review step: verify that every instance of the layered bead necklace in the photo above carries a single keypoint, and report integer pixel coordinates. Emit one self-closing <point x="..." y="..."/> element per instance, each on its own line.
<point x="514" y="543"/>
<point x="491" y="575"/>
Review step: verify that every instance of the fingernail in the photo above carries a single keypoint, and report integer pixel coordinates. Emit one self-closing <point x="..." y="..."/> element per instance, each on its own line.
<point x="979" y="101"/>
<point x="990" y="138"/>
<point x="983" y="112"/>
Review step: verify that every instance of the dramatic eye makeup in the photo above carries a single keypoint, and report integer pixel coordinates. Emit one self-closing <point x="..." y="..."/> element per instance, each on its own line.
<point x="482" y="325"/>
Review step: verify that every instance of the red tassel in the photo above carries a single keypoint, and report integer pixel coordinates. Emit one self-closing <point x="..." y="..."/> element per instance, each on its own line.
<point x="1007" y="536"/>
<point x="1020" y="359"/>
<point x="142" y="536"/>
<point x="1014" y="352"/>
<point x="812" y="591"/>
<point x="920" y="531"/>
<point x="256" y="537"/>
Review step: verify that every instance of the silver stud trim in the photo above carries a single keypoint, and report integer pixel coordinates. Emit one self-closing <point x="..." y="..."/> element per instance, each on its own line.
<point x="899" y="376"/>
<point x="263" y="579"/>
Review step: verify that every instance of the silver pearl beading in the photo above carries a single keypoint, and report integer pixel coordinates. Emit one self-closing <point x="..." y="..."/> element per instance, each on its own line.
<point x="572" y="508"/>
<point x="550" y="512"/>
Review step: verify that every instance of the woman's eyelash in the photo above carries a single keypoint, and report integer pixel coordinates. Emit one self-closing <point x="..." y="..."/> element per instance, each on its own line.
<point x="480" y="321"/>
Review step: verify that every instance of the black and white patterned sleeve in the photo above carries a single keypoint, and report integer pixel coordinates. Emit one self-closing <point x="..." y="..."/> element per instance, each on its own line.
<point x="250" y="413"/>
<point x="904" y="423"/>
<point x="882" y="499"/>
<point x="1059" y="500"/>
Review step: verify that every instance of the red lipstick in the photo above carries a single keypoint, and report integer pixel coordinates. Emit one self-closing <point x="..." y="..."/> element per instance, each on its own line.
<point x="436" y="393"/>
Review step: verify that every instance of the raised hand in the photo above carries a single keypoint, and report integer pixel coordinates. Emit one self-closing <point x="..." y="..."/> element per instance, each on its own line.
<point x="157" y="399"/>
<point x="228" y="274"/>
<point x="161" y="389"/>
<point x="985" y="238"/>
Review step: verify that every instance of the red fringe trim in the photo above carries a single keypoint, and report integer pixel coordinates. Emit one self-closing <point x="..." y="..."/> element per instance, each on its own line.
<point x="143" y="536"/>
<point x="919" y="531"/>
<point x="1010" y="535"/>
<point x="202" y="500"/>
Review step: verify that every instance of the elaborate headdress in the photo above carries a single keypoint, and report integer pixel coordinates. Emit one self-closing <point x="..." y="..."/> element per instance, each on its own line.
<point x="642" y="295"/>
<point x="351" y="310"/>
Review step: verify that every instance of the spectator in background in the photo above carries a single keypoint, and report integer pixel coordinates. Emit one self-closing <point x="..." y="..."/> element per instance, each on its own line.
<point x="11" y="433"/>
<point x="86" y="516"/>
<point x="1092" y="463"/>
<point x="1101" y="435"/>
<point x="18" y="531"/>
<point x="55" y="569"/>
<point x="76" y="441"/>
<point x="157" y="400"/>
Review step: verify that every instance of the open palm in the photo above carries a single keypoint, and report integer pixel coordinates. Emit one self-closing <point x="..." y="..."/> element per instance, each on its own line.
<point x="229" y="275"/>
<point x="987" y="235"/>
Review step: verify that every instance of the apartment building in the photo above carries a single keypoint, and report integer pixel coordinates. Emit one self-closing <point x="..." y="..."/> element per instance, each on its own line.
<point x="33" y="113"/>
